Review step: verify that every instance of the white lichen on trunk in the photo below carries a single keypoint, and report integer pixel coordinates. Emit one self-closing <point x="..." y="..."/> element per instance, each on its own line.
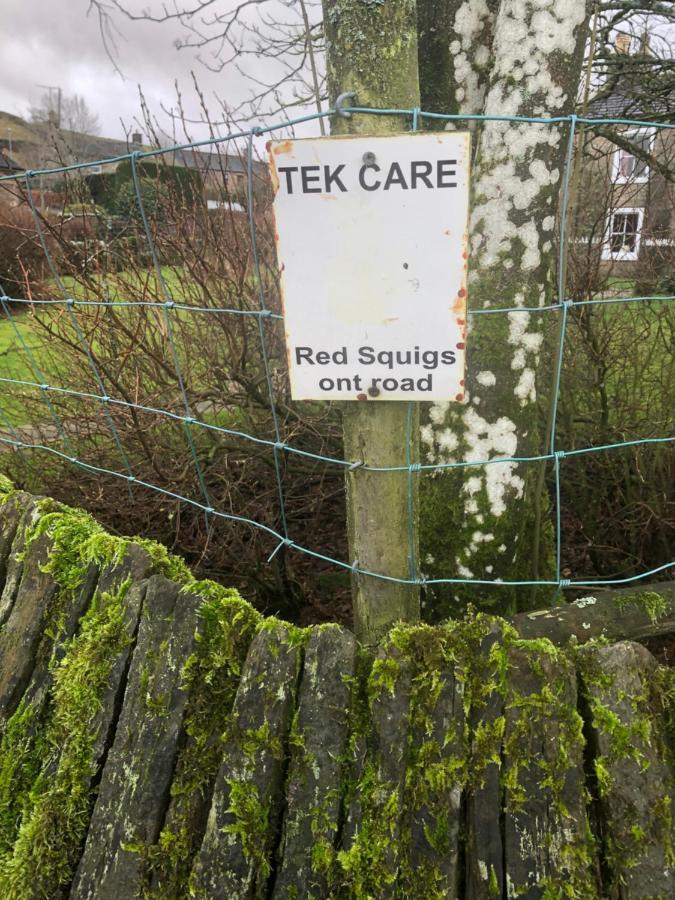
<point x="536" y="58"/>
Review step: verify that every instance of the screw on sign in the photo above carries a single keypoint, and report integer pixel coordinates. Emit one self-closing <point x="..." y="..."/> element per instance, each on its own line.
<point x="372" y="235"/>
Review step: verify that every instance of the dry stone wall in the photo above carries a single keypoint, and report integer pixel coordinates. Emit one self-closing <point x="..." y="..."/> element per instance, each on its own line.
<point x="159" y="738"/>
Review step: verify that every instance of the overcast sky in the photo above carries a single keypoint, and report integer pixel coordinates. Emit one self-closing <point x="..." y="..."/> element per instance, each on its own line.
<point x="54" y="42"/>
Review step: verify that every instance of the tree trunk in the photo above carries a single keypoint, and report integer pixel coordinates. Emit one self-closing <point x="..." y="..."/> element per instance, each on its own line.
<point x="482" y="522"/>
<point x="372" y="50"/>
<point x="455" y="49"/>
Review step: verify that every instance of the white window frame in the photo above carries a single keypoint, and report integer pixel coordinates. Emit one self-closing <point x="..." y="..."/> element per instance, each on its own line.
<point x="643" y="178"/>
<point x="623" y="256"/>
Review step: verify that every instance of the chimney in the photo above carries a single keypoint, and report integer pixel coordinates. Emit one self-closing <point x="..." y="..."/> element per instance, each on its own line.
<point x="136" y="139"/>
<point x="622" y="43"/>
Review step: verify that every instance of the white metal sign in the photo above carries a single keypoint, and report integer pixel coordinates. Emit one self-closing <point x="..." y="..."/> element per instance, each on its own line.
<point x="372" y="247"/>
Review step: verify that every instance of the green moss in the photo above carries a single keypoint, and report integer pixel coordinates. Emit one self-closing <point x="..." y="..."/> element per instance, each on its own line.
<point x="52" y="828"/>
<point x="652" y="603"/>
<point x="6" y="488"/>
<point x="210" y="677"/>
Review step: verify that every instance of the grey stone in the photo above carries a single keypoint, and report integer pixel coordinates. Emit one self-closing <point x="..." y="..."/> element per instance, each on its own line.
<point x="313" y="791"/>
<point x="545" y="825"/>
<point x="134" y="790"/>
<point x="235" y="858"/>
<point x="636" y="789"/>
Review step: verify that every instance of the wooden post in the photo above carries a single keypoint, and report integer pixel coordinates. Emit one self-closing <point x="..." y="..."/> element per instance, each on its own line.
<point x="372" y="50"/>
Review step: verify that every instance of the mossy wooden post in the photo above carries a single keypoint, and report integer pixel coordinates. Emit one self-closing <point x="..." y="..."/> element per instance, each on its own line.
<point x="372" y="50"/>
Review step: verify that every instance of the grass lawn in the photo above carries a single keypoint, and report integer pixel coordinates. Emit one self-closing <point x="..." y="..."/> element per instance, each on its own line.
<point x="15" y="363"/>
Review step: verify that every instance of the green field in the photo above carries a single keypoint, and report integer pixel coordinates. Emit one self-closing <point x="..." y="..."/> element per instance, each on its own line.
<point x="15" y="352"/>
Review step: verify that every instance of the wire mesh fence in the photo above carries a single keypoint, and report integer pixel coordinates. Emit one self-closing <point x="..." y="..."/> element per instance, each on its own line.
<point x="171" y="310"/>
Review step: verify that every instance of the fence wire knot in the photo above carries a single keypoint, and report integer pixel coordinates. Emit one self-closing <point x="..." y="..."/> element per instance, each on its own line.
<point x="564" y="583"/>
<point x="415" y="467"/>
<point x="279" y="445"/>
<point x="284" y="542"/>
<point x="567" y="303"/>
<point x="257" y="130"/>
<point x="559" y="454"/>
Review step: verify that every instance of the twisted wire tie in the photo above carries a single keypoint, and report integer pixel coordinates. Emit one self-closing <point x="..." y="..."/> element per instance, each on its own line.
<point x="279" y="445"/>
<point x="356" y="465"/>
<point x="355" y="568"/>
<point x="564" y="583"/>
<point x="559" y="454"/>
<point x="169" y="304"/>
<point x="415" y="467"/>
<point x="284" y="542"/>
<point x="70" y="302"/>
<point x="257" y="131"/>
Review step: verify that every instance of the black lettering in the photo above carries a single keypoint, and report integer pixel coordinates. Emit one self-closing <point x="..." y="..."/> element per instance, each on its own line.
<point x="389" y="384"/>
<point x="307" y="178"/>
<point x="323" y="357"/>
<point x="357" y="383"/>
<point x="443" y="172"/>
<point x="288" y="172"/>
<point x="366" y="356"/>
<point x="362" y="179"/>
<point x="395" y="176"/>
<point x="448" y="357"/>
<point x="416" y="175"/>
<point x="333" y="176"/>
<point x="326" y="384"/>
<point x="430" y="359"/>
<point x="304" y="354"/>
<point x="424" y="384"/>
<point x="343" y="384"/>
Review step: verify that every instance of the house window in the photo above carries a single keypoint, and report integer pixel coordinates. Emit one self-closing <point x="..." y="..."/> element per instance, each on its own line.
<point x="628" y="167"/>
<point x="624" y="231"/>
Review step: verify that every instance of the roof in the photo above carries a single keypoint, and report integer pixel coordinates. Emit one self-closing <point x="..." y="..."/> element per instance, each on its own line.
<point x="28" y="137"/>
<point x="7" y="164"/>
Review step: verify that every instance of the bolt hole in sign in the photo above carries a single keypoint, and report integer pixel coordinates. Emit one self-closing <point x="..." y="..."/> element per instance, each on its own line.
<point x="372" y="248"/>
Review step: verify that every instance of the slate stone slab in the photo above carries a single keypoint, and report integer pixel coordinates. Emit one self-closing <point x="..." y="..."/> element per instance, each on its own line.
<point x="435" y="826"/>
<point x="319" y="741"/>
<point x="484" y="843"/>
<point x="635" y="783"/>
<point x="20" y="637"/>
<point x="134" y="789"/>
<point x="545" y="826"/>
<point x="11" y="512"/>
<point x="384" y="752"/>
<point x="235" y="859"/>
<point x="14" y="560"/>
